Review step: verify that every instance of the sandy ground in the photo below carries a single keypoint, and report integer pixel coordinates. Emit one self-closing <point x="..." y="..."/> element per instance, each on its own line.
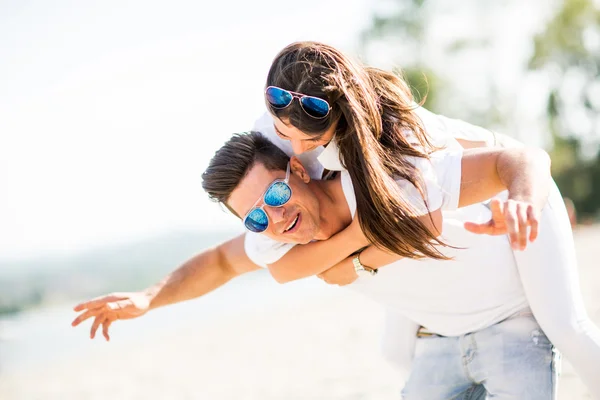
<point x="322" y="344"/>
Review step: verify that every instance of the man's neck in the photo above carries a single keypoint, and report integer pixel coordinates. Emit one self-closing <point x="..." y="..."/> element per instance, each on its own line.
<point x="334" y="213"/>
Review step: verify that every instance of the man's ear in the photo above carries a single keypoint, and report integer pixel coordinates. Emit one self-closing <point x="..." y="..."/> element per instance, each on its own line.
<point x="298" y="169"/>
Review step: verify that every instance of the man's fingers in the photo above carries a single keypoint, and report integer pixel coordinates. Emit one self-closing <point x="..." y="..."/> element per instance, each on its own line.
<point x="85" y="315"/>
<point x="480" y="229"/>
<point x="88" y="305"/>
<point x="497" y="208"/>
<point x="99" y="319"/>
<point x="105" y="326"/>
<point x="532" y="216"/>
<point x="97" y="302"/>
<point x="523" y="223"/>
<point x="119" y="305"/>
<point x="512" y="227"/>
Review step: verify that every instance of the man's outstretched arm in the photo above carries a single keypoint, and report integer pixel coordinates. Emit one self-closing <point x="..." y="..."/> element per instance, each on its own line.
<point x="200" y="275"/>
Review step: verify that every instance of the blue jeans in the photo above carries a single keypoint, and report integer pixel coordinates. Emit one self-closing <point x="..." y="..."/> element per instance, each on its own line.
<point x="512" y="359"/>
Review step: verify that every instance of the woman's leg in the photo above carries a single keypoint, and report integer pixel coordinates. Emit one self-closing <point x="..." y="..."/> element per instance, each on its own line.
<point x="548" y="270"/>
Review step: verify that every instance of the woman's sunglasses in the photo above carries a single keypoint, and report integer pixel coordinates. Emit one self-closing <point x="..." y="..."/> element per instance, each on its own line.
<point x="276" y="195"/>
<point x="279" y="99"/>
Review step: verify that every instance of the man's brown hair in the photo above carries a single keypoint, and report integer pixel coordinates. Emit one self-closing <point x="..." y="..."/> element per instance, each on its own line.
<point x="232" y="162"/>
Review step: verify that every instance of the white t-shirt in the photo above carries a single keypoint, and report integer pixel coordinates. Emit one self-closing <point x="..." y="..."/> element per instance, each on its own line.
<point x="478" y="288"/>
<point x="441" y="175"/>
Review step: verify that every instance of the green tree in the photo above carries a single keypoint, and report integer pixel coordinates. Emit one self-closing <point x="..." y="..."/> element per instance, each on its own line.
<point x="399" y="37"/>
<point x="568" y="51"/>
<point x="401" y="26"/>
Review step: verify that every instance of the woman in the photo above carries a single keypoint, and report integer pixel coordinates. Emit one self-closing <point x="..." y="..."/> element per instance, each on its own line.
<point x="370" y="118"/>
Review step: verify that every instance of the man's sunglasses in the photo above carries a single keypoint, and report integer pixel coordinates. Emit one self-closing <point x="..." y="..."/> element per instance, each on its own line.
<point x="277" y="194"/>
<point x="279" y="99"/>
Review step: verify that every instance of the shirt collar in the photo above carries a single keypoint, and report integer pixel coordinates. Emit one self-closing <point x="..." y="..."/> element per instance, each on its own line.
<point x="330" y="157"/>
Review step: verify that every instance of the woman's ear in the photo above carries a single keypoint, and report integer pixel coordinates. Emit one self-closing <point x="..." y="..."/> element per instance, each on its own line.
<point x="298" y="169"/>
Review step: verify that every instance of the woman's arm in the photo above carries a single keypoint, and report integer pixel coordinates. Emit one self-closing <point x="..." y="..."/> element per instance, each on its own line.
<point x="317" y="257"/>
<point x="313" y="258"/>
<point x="374" y="257"/>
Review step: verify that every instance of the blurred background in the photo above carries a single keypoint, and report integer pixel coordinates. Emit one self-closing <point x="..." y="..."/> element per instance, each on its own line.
<point x="109" y="113"/>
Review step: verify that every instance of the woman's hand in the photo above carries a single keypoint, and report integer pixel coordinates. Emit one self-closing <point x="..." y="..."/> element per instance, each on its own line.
<point x="341" y="274"/>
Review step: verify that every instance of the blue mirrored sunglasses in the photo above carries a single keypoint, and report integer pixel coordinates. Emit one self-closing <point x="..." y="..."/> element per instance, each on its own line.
<point x="279" y="99"/>
<point x="277" y="194"/>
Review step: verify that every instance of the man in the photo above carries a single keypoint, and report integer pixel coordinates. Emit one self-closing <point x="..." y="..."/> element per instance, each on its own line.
<point x="487" y="322"/>
<point x="218" y="265"/>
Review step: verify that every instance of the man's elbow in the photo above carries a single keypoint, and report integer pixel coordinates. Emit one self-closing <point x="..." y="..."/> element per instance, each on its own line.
<point x="544" y="157"/>
<point x="535" y="155"/>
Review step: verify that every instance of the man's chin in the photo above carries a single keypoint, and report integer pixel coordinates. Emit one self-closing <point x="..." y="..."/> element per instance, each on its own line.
<point x="295" y="238"/>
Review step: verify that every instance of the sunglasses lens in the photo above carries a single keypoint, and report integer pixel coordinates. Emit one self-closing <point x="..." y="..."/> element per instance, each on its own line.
<point x="278" y="194"/>
<point x="315" y="107"/>
<point x="278" y="98"/>
<point x="256" y="221"/>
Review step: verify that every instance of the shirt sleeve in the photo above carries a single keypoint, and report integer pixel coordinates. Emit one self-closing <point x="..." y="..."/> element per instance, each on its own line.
<point x="448" y="168"/>
<point x="263" y="250"/>
<point x="440" y="177"/>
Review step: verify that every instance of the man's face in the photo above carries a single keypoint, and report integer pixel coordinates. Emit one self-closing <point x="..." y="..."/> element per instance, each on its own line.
<point x="301" y="142"/>
<point x="297" y="221"/>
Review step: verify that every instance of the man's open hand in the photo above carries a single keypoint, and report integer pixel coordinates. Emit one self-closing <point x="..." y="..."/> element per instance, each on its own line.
<point x="511" y="217"/>
<point x="107" y="309"/>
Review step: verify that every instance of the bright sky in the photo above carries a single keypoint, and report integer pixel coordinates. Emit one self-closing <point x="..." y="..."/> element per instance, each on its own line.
<point x="110" y="111"/>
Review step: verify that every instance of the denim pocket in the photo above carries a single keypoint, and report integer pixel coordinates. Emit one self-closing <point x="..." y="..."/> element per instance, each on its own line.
<point x="539" y="338"/>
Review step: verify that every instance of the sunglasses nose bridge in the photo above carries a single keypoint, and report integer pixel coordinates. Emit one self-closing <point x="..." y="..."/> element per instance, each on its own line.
<point x="275" y="214"/>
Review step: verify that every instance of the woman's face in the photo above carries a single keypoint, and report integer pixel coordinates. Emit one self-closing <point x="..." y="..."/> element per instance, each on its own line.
<point x="302" y="142"/>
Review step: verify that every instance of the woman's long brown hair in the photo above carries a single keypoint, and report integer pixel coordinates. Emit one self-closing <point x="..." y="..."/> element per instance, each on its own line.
<point x="376" y="129"/>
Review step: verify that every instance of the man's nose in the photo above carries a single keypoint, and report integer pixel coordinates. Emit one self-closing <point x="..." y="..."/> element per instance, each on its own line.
<point x="276" y="214"/>
<point x="300" y="146"/>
